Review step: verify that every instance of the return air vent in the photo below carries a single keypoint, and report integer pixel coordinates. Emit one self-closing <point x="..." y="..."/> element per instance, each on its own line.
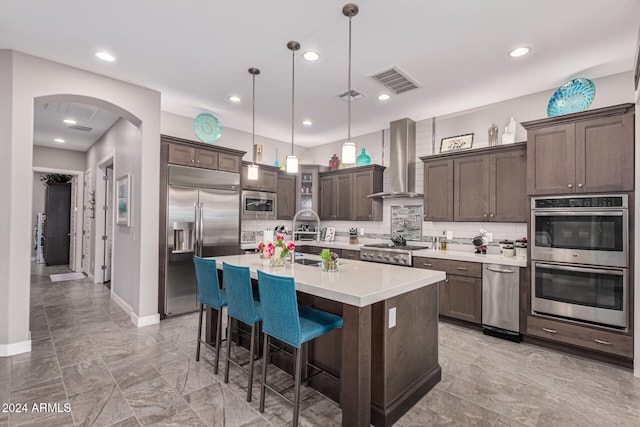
<point x="395" y="81"/>
<point x="82" y="128"/>
<point x="354" y="95"/>
<point x="73" y="109"/>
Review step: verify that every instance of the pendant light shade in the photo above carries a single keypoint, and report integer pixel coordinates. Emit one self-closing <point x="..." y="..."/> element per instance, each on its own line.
<point x="349" y="147"/>
<point x="252" y="172"/>
<point x="292" y="160"/>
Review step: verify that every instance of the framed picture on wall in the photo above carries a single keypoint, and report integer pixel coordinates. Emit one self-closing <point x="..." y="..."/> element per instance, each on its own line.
<point x="455" y="143"/>
<point x="123" y="200"/>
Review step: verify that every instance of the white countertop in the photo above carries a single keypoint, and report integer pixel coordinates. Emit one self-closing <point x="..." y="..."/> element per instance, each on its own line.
<point x="431" y="253"/>
<point x="357" y="283"/>
<point x="471" y="257"/>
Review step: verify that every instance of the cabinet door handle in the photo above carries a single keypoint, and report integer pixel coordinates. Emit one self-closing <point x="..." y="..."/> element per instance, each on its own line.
<point x="426" y="264"/>
<point x="603" y="342"/>
<point x="570" y="185"/>
<point x="193" y="161"/>
<point x="551" y="331"/>
<point x="462" y="268"/>
<point x="484" y="216"/>
<point x="580" y="185"/>
<point x="446" y="280"/>
<point x="491" y="215"/>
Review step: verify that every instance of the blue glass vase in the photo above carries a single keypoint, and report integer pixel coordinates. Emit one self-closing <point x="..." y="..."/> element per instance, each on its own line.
<point x="363" y="158"/>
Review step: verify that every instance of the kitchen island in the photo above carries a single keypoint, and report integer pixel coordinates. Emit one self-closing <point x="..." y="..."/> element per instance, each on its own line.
<point x="386" y="354"/>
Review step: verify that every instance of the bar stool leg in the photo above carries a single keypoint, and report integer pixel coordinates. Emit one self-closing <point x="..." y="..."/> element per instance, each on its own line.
<point x="298" y="373"/>
<point x="226" y="369"/>
<point x="265" y="360"/>
<point x="218" y="334"/>
<point x="251" y="360"/>
<point x="199" y="333"/>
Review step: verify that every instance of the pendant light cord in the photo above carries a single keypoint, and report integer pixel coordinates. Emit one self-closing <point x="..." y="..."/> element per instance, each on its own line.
<point x="253" y="121"/>
<point x="349" y="89"/>
<point x="293" y="85"/>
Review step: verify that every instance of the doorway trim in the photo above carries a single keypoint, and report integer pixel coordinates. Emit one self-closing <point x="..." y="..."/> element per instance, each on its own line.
<point x="78" y="213"/>
<point x="102" y="164"/>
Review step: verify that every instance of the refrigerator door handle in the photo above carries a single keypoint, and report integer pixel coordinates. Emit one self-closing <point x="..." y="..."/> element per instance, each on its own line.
<point x="196" y="246"/>
<point x="201" y="226"/>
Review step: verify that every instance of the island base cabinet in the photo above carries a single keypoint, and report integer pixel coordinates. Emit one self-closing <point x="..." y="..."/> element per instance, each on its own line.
<point x="401" y="368"/>
<point x="404" y="357"/>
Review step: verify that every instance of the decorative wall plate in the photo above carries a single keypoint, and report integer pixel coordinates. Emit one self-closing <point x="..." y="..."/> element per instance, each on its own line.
<point x="574" y="96"/>
<point x="207" y="127"/>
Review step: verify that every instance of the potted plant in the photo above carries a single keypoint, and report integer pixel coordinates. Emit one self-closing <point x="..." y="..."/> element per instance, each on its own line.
<point x="329" y="260"/>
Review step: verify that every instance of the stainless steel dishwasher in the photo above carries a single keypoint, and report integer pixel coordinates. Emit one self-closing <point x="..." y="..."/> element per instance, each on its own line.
<point x="501" y="301"/>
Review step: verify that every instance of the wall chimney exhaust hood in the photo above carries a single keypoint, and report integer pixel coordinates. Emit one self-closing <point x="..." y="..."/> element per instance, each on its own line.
<point x="402" y="162"/>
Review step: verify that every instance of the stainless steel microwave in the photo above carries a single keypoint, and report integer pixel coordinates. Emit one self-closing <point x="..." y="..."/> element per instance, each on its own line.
<point x="259" y="205"/>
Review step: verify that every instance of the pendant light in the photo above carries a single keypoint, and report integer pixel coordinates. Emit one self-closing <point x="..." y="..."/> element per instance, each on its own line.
<point x="292" y="160"/>
<point x="349" y="147"/>
<point x="252" y="174"/>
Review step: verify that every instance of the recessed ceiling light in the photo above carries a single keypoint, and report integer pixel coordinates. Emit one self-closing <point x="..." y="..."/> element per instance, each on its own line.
<point x="105" y="56"/>
<point x="70" y="121"/>
<point x="59" y="140"/>
<point x="234" y="98"/>
<point x="519" y="51"/>
<point x="311" y="55"/>
<point x="383" y="97"/>
<point x="307" y="122"/>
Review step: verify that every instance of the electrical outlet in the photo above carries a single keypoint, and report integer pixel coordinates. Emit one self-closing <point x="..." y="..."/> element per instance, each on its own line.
<point x="489" y="237"/>
<point x="362" y="231"/>
<point x="392" y="317"/>
<point x="449" y="235"/>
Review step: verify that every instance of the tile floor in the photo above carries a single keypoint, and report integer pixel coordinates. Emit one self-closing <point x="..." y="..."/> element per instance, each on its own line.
<point x="87" y="355"/>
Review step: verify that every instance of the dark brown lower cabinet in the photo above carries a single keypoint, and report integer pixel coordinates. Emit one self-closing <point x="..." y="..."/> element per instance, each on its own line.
<point x="580" y="336"/>
<point x="57" y="209"/>
<point x="460" y="295"/>
<point x="350" y="254"/>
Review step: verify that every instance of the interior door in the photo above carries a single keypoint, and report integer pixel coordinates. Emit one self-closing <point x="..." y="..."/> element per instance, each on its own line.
<point x="86" y="226"/>
<point x="72" y="223"/>
<point x="108" y="224"/>
<point x="220" y="212"/>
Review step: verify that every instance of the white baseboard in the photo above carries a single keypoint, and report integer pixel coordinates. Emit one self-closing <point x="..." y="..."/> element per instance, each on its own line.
<point x="121" y="303"/>
<point x="145" y="320"/>
<point x="7" y="350"/>
<point x="138" y="321"/>
<point x="90" y="276"/>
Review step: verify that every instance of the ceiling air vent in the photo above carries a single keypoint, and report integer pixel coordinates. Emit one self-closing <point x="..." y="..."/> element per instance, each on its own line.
<point x="82" y="128"/>
<point x="395" y="81"/>
<point x="354" y="95"/>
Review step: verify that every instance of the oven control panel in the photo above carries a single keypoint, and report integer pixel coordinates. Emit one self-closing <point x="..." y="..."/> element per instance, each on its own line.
<point x="608" y="201"/>
<point x="393" y="256"/>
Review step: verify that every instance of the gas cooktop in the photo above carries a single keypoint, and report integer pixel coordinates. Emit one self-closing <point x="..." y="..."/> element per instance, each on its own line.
<point x="392" y="246"/>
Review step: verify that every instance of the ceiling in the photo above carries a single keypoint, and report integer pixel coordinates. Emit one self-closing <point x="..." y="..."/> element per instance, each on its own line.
<point x="197" y="52"/>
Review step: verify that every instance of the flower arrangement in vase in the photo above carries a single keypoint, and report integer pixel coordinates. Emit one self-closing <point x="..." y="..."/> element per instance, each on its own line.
<point x="276" y="252"/>
<point x="329" y="260"/>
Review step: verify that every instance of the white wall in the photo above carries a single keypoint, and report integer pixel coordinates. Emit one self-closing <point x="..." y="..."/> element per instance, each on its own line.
<point x="24" y="78"/>
<point x="57" y="158"/>
<point x="123" y="139"/>
<point x="182" y="127"/>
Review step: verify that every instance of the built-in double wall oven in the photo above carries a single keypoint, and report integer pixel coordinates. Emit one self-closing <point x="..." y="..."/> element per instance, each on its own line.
<point x="580" y="258"/>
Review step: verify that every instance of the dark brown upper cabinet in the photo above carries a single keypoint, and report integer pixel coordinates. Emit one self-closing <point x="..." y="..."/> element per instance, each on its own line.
<point x="343" y="194"/>
<point x="587" y="152"/>
<point x="267" y="178"/>
<point x="487" y="184"/>
<point x="195" y="154"/>
<point x="286" y="195"/>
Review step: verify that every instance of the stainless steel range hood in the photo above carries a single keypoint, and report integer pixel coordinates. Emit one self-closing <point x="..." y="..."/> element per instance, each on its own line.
<point x="402" y="162"/>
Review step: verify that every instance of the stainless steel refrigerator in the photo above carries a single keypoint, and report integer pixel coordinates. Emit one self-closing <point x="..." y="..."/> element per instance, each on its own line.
<point x="203" y="218"/>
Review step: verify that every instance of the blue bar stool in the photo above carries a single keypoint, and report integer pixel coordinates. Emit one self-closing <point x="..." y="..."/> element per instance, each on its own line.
<point x="241" y="306"/>
<point x="209" y="294"/>
<point x="283" y="320"/>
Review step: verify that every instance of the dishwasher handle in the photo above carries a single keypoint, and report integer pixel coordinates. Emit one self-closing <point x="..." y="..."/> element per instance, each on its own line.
<point x="500" y="270"/>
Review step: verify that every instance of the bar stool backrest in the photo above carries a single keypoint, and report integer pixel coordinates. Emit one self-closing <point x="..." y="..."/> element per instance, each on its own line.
<point x="237" y="283"/>
<point x="280" y="316"/>
<point x="207" y="280"/>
